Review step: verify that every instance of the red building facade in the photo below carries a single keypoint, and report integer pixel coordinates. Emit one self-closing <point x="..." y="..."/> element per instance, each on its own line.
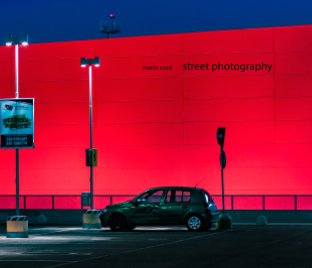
<point x="158" y="101"/>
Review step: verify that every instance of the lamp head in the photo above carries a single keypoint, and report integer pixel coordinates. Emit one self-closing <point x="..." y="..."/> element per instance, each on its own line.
<point x="24" y="43"/>
<point x="17" y="40"/>
<point x="96" y="62"/>
<point x="83" y="62"/>
<point x="92" y="61"/>
<point x="9" y="40"/>
<point x="23" y="40"/>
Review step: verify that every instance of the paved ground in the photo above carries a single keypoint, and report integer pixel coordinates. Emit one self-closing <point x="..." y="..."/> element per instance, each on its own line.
<point x="270" y="246"/>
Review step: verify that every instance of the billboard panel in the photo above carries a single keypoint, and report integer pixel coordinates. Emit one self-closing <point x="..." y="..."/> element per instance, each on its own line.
<point x="17" y="123"/>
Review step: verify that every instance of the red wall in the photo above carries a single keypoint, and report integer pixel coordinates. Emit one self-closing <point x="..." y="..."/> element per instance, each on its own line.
<point x="159" y="127"/>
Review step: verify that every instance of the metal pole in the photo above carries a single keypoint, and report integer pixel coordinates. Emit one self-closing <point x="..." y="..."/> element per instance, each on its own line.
<point x="16" y="72"/>
<point x="17" y="150"/>
<point x="222" y="177"/>
<point x="17" y="182"/>
<point x="91" y="134"/>
<point x="222" y="181"/>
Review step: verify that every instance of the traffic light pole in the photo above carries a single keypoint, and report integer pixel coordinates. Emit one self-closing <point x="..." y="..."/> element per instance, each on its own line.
<point x="222" y="164"/>
<point x="220" y="139"/>
<point x="224" y="221"/>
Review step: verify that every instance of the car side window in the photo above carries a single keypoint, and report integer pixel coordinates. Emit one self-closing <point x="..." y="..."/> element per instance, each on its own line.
<point x="178" y="196"/>
<point x="169" y="197"/>
<point x="186" y="197"/>
<point x="155" y="197"/>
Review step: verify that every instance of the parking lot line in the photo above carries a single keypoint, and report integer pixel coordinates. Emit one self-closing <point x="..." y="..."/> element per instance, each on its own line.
<point x="127" y="251"/>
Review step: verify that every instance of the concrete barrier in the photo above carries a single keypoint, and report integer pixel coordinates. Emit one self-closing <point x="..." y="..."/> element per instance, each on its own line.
<point x="75" y="217"/>
<point x="262" y="220"/>
<point x="91" y="219"/>
<point x="17" y="227"/>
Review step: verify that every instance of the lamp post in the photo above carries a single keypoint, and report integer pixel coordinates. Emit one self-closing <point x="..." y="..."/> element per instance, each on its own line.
<point x="17" y="41"/>
<point x="91" y="152"/>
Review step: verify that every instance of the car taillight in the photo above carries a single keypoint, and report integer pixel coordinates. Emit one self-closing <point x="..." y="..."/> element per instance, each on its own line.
<point x="207" y="209"/>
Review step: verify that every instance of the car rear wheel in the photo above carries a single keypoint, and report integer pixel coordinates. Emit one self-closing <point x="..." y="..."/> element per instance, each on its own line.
<point x="117" y="222"/>
<point x="194" y="223"/>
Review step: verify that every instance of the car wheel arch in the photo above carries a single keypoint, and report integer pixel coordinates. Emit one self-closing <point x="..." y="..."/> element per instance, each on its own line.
<point x="121" y="220"/>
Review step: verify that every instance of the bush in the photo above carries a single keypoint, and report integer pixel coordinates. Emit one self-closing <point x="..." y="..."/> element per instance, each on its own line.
<point x="224" y="222"/>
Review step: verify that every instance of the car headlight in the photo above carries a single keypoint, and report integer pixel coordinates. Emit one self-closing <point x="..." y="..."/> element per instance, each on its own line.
<point x="105" y="210"/>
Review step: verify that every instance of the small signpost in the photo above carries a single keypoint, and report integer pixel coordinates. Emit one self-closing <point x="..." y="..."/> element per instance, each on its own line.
<point x="16" y="132"/>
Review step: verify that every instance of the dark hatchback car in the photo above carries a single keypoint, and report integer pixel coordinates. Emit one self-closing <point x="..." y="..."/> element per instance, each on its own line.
<point x="189" y="206"/>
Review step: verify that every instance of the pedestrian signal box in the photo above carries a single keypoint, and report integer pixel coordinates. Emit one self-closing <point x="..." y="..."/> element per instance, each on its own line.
<point x="91" y="157"/>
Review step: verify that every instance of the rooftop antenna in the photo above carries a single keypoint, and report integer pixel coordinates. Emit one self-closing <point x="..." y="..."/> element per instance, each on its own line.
<point x="110" y="26"/>
<point x="199" y="182"/>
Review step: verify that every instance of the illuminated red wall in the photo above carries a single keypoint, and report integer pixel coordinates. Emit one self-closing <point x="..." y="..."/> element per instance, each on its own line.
<point x="159" y="127"/>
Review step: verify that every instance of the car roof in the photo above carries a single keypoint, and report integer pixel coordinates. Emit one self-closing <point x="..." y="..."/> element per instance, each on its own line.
<point x="175" y="188"/>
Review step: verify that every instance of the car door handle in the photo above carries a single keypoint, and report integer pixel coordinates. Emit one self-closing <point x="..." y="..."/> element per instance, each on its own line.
<point x="184" y="206"/>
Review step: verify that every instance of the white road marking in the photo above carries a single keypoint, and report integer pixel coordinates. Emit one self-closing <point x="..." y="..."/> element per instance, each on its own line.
<point x="140" y="249"/>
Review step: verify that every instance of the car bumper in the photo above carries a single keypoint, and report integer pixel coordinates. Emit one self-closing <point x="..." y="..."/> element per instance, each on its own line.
<point x="104" y="219"/>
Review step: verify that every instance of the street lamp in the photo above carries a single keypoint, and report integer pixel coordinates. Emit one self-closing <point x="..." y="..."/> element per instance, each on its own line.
<point x="91" y="152"/>
<point x="17" y="41"/>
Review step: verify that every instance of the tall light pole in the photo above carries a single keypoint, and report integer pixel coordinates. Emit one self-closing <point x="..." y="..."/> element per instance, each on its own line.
<point x="91" y="152"/>
<point x="17" y="41"/>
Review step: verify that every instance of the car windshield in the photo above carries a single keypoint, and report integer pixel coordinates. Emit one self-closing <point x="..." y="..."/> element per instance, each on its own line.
<point x="139" y="196"/>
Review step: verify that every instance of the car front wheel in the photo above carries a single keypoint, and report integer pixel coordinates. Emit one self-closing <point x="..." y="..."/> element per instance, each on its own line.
<point x="194" y="223"/>
<point x="117" y="222"/>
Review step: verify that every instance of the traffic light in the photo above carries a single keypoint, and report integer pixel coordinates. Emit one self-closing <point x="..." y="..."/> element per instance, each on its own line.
<point x="91" y="157"/>
<point x="221" y="135"/>
<point x="220" y="139"/>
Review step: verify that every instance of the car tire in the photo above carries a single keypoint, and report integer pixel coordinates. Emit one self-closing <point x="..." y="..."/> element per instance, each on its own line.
<point x="194" y="223"/>
<point x="117" y="222"/>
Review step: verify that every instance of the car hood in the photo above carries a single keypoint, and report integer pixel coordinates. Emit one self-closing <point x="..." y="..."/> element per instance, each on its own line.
<point x="120" y="205"/>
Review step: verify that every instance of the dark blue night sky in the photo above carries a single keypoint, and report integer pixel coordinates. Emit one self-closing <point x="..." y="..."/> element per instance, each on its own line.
<point x="62" y="20"/>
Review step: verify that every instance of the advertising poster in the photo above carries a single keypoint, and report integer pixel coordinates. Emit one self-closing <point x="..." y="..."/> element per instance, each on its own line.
<point x="17" y="123"/>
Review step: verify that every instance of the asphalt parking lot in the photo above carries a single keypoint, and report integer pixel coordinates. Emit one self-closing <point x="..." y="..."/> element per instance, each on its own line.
<point x="244" y="246"/>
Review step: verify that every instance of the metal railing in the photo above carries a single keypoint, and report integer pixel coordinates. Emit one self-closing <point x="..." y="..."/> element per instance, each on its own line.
<point x="232" y="202"/>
